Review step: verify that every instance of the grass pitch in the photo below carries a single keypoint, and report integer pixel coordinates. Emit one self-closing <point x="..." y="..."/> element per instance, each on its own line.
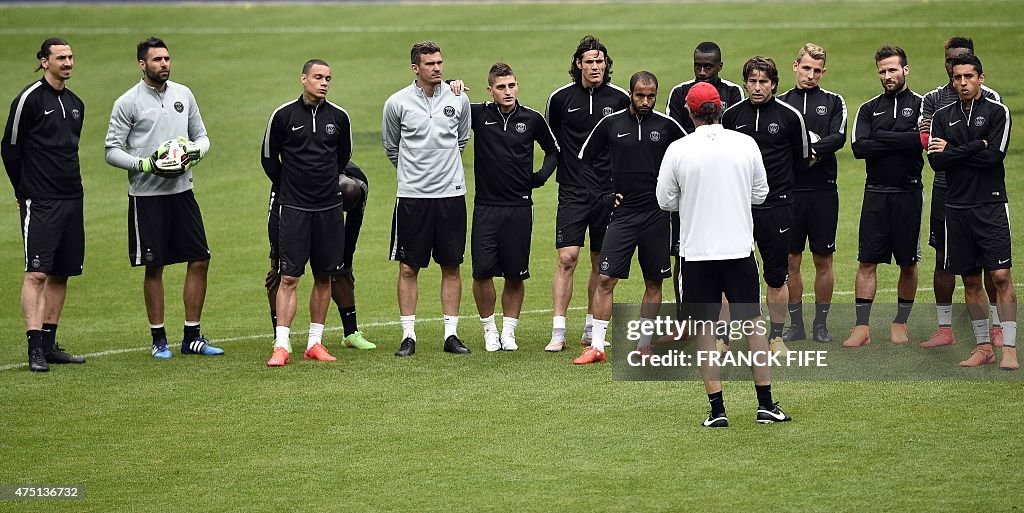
<point x="520" y="431"/>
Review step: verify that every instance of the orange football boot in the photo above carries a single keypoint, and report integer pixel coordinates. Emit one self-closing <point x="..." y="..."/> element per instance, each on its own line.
<point x="859" y="336"/>
<point x="280" y="357"/>
<point x="590" y="355"/>
<point x="942" y="337"/>
<point x="982" y="355"/>
<point x="318" y="352"/>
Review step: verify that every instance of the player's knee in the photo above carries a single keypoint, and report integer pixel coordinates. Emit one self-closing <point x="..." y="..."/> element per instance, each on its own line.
<point x="289" y="282"/>
<point x="34" y="279"/>
<point x="1001" y="279"/>
<point x="607" y="283"/>
<point x="199" y="265"/>
<point x="775" y="280"/>
<point x="567" y="261"/>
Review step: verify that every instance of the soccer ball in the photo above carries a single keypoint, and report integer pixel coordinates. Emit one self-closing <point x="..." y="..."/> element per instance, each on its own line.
<point x="169" y="158"/>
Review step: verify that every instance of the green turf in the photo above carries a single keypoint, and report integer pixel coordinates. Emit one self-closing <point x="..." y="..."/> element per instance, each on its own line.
<point x="522" y="431"/>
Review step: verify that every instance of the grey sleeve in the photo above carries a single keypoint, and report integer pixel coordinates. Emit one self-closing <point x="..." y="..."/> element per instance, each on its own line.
<point x="196" y="128"/>
<point x="465" y="123"/>
<point x="391" y="131"/>
<point x="121" y="120"/>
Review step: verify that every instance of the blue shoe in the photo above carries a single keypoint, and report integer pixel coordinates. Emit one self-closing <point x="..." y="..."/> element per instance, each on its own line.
<point x="160" y="350"/>
<point x="200" y="346"/>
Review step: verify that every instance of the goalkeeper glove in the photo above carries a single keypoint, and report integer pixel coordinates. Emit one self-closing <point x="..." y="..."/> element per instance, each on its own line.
<point x="192" y="151"/>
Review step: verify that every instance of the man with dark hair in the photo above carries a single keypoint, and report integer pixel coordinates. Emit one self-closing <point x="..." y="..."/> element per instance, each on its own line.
<point x="165" y="225"/>
<point x="307" y="144"/>
<point x="572" y="112"/>
<point x="781" y="135"/>
<point x="815" y="194"/>
<point x="631" y="142"/>
<point x="505" y="133"/>
<point x="968" y="142"/>
<point x="885" y="136"/>
<point x="424" y="129"/>
<point x="944" y="282"/>
<point x="40" y="153"/>
<point x="712" y="177"/>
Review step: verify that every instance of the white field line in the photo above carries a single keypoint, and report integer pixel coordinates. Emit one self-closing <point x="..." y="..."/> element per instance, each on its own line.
<point x="568" y="27"/>
<point x="377" y="324"/>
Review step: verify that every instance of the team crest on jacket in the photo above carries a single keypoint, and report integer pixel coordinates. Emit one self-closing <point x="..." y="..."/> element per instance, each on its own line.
<point x="655" y="135"/>
<point x="521" y="127"/>
<point x="605" y="265"/>
<point x="980" y="120"/>
<point x="907" y="112"/>
<point x="606" y="111"/>
<point x="821" y="110"/>
<point x="36" y="263"/>
<point x="331" y="129"/>
<point x="76" y="114"/>
<point x="449" y="111"/>
<point x="773" y="128"/>
<point x="178" y="106"/>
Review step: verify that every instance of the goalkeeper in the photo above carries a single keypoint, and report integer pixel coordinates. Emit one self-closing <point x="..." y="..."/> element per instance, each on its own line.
<point x="165" y="225"/>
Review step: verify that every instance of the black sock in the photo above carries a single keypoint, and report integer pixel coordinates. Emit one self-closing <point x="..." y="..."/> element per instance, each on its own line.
<point x="49" y="335"/>
<point x="776" y="330"/>
<point x="903" y="307"/>
<point x="796" y="314"/>
<point x="273" y="321"/>
<point x="191" y="333"/>
<point x="863" y="311"/>
<point x="764" y="396"/>
<point x="821" y="313"/>
<point x="35" y="339"/>
<point x="717" y="403"/>
<point x="158" y="334"/>
<point x="348" y="319"/>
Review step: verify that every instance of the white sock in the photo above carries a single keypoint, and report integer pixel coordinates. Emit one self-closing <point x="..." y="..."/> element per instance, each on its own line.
<point x="981" y="331"/>
<point x="488" y="323"/>
<point x="600" y="329"/>
<point x="645" y="338"/>
<point x="558" y="328"/>
<point x="316" y="335"/>
<point x="1009" y="333"/>
<point x="408" y="326"/>
<point x="945" y="315"/>
<point x="451" y="325"/>
<point x="508" y="327"/>
<point x="993" y="313"/>
<point x="281" y="338"/>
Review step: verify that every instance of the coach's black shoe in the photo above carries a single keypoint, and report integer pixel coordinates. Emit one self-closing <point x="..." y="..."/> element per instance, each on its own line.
<point x="794" y="333"/>
<point x="452" y="344"/>
<point x="770" y="416"/>
<point x="821" y="334"/>
<point x="37" y="360"/>
<point x="408" y="347"/>
<point x="716" y="420"/>
<point x="57" y="355"/>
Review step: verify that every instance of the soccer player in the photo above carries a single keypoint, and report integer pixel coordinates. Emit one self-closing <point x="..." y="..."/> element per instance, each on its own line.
<point x="307" y="144"/>
<point x="707" y="64"/>
<point x="632" y="143"/>
<point x="424" y="129"/>
<point x="712" y="177"/>
<point x="780" y="132"/>
<point x="572" y="112"/>
<point x="885" y="136"/>
<point x="815" y="194"/>
<point x="165" y="225"/>
<point x="40" y="153"/>
<point x="505" y="132"/>
<point x="355" y="190"/>
<point x="968" y="142"/>
<point x="943" y="281"/>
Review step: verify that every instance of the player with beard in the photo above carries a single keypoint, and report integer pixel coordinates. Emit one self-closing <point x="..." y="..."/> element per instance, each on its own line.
<point x="572" y="112"/>
<point x="165" y="225"/>
<point x="885" y="135"/>
<point x="632" y="143"/>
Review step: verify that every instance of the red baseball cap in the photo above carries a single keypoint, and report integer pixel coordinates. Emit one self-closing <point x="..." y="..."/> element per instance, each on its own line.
<point x="701" y="94"/>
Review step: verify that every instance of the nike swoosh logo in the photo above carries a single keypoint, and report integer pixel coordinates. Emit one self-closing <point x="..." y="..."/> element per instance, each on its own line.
<point x="47" y="112"/>
<point x="1001" y="262"/>
<point x="666" y="270"/>
<point x="490" y="122"/>
<point x="879" y="113"/>
<point x="778" y="416"/>
<point x="523" y="272"/>
<point x="625" y="134"/>
<point x="830" y="246"/>
<point x="741" y="126"/>
<point x="300" y="127"/>
<point x="951" y="123"/>
<point x="783" y="231"/>
<point x="574" y="110"/>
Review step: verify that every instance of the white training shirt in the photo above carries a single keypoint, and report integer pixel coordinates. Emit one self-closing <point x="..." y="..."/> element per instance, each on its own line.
<point x="711" y="177"/>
